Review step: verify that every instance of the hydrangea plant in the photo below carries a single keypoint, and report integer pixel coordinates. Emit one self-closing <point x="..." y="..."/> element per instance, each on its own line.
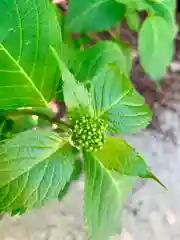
<point x="39" y="61"/>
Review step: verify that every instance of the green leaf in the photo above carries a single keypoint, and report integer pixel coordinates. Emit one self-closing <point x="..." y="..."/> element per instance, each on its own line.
<point x="156" y="34"/>
<point x="139" y="5"/>
<point x="115" y="99"/>
<point x="89" y="61"/>
<point x="75" y="176"/>
<point x="105" y="192"/>
<point x="133" y="20"/>
<point x="93" y="15"/>
<point x="34" y="166"/>
<point x="59" y="93"/>
<point x="28" y="70"/>
<point x="76" y="95"/>
<point x="128" y="54"/>
<point x="119" y="156"/>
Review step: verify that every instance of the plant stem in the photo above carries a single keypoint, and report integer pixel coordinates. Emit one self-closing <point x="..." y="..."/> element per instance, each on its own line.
<point x="47" y="115"/>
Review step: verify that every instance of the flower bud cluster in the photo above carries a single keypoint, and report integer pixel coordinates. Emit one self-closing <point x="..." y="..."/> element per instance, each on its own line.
<point x="88" y="133"/>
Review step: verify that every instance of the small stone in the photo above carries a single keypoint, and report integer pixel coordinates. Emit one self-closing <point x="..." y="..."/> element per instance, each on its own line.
<point x="171" y="218"/>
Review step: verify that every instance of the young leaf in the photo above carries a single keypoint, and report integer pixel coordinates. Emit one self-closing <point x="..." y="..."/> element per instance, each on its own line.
<point x="28" y="70"/>
<point x="89" y="61"/>
<point x="157" y="35"/>
<point x="93" y="15"/>
<point x="34" y="166"/>
<point x="76" y="95"/>
<point x="133" y="20"/>
<point x="105" y="192"/>
<point x="115" y="99"/>
<point x="118" y="155"/>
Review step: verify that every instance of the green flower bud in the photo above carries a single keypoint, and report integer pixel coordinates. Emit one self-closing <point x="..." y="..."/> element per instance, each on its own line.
<point x="88" y="133"/>
<point x="90" y="149"/>
<point x="83" y="136"/>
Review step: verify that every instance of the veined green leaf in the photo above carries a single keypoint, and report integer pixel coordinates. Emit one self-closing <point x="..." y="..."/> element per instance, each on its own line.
<point x="119" y="156"/>
<point x="115" y="99"/>
<point x="105" y="192"/>
<point x="75" y="176"/>
<point x="76" y="95"/>
<point x="89" y="61"/>
<point x="28" y="70"/>
<point x="34" y="166"/>
<point x="156" y="57"/>
<point x="93" y="15"/>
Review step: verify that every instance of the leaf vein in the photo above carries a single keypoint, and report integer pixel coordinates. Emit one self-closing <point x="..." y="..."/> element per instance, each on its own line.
<point x="25" y="75"/>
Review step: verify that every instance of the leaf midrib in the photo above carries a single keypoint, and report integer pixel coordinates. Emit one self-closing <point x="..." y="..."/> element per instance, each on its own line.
<point x="115" y="102"/>
<point x="114" y="183"/>
<point x="22" y="71"/>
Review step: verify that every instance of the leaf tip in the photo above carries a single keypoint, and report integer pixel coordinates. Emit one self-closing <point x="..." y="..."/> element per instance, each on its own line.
<point x="152" y="176"/>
